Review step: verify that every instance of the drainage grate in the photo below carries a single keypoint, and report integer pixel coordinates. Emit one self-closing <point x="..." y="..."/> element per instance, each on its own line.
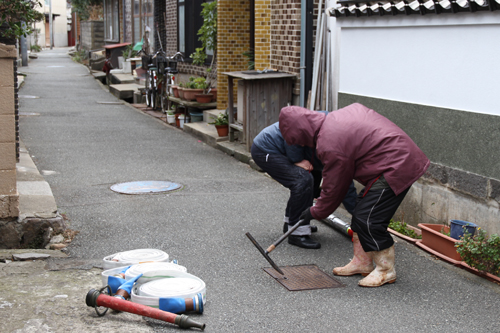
<point x="145" y="187"/>
<point x="306" y="277"/>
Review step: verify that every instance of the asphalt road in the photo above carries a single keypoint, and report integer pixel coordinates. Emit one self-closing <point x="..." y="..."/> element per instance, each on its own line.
<point x="91" y="146"/>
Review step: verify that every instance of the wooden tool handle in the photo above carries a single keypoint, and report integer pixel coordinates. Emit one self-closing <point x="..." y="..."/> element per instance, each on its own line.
<point x="282" y="238"/>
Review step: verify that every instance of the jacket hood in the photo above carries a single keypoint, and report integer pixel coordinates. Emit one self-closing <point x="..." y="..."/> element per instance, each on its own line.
<point x="300" y="126"/>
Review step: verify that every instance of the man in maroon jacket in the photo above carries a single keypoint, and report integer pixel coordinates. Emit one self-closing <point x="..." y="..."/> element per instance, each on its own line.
<point x="357" y="143"/>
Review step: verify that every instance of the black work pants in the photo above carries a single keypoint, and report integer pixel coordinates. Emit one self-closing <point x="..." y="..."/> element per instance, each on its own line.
<point x="298" y="180"/>
<point x="372" y="214"/>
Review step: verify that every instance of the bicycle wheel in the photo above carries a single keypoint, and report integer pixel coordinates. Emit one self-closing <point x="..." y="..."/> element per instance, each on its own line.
<point x="148" y="89"/>
<point x="153" y="99"/>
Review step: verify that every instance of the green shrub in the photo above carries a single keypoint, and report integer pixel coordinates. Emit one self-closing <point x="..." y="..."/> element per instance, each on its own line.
<point x="481" y="252"/>
<point x="35" y="48"/>
<point x="403" y="229"/>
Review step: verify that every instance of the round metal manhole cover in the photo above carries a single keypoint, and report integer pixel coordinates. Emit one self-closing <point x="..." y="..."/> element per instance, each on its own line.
<point x="145" y="187"/>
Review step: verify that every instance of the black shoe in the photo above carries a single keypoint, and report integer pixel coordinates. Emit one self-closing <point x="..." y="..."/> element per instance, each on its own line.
<point x="285" y="228"/>
<point x="304" y="241"/>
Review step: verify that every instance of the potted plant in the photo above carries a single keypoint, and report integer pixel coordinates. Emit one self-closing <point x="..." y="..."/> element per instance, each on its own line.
<point x="204" y="97"/>
<point x="221" y="123"/>
<point x="405" y="231"/>
<point x="171" y="115"/>
<point x="436" y="240"/>
<point x="127" y="54"/>
<point x="208" y="37"/>
<point x="180" y="90"/>
<point x="191" y="89"/>
<point x="481" y="254"/>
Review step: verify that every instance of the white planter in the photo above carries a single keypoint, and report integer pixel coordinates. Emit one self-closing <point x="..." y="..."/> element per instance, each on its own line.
<point x="171" y="118"/>
<point x="181" y="121"/>
<point x="127" y="67"/>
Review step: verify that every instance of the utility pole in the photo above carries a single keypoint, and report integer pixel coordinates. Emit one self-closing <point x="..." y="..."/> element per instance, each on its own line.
<point x="50" y="24"/>
<point x="24" y="48"/>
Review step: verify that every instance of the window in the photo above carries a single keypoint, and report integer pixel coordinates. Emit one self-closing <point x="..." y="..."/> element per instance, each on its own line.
<point x="111" y="21"/>
<point x="142" y="18"/>
<point x="189" y="22"/>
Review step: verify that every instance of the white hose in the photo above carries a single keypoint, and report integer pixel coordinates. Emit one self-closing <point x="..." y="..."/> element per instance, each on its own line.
<point x="150" y="271"/>
<point x="180" y="285"/>
<point x="132" y="257"/>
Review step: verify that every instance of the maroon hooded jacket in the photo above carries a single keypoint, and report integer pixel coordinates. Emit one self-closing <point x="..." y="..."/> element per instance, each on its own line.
<point x="354" y="142"/>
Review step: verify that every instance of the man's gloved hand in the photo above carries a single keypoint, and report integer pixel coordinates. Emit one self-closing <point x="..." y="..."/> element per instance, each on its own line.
<point x="306" y="216"/>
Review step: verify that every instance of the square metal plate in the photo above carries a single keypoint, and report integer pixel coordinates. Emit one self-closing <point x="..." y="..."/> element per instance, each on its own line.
<point x="305" y="277"/>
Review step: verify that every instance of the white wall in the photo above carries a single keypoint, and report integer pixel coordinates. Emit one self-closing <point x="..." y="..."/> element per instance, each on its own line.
<point x="446" y="60"/>
<point x="59" y="24"/>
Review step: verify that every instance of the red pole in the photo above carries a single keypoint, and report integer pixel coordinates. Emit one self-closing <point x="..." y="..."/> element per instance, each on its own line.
<point x="95" y="298"/>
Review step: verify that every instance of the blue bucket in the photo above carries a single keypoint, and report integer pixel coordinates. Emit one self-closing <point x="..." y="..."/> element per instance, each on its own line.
<point x="458" y="227"/>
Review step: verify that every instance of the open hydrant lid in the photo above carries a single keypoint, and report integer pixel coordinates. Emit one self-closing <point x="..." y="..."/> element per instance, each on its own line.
<point x="145" y="187"/>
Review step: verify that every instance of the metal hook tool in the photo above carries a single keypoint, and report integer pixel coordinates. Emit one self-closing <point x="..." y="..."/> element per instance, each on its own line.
<point x="273" y="246"/>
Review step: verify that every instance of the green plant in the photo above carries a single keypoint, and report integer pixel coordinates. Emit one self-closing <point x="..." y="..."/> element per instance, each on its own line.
<point x="221" y="119"/>
<point x="80" y="56"/>
<point x="250" y="58"/>
<point x="171" y="111"/>
<point x="208" y="38"/>
<point x="443" y="230"/>
<point x="128" y="52"/>
<point x="481" y="252"/>
<point x="88" y="9"/>
<point x="17" y="17"/>
<point x="202" y="83"/>
<point x="35" y="48"/>
<point x="403" y="229"/>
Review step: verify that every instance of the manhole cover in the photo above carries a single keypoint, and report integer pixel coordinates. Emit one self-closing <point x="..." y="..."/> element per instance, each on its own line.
<point x="145" y="187"/>
<point x="307" y="277"/>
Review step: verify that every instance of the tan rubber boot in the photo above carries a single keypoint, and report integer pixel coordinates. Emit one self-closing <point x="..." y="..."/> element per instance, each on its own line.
<point x="384" y="272"/>
<point x="361" y="263"/>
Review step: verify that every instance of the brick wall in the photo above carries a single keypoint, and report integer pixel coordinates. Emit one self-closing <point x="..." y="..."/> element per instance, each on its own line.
<point x="171" y="27"/>
<point x="263" y="27"/>
<point x="9" y="198"/>
<point x="285" y="37"/>
<point x="233" y="38"/>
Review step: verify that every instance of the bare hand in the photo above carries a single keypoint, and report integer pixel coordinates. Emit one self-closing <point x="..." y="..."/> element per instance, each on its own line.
<point x="305" y="164"/>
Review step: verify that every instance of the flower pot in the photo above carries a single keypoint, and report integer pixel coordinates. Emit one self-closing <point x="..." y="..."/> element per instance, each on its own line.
<point x="196" y="116"/>
<point x="181" y="121"/>
<point x="222" y="130"/>
<point x="190" y="94"/>
<point x="170" y="118"/>
<point x="204" y="98"/>
<point x="213" y="91"/>
<point x="485" y="275"/>
<point x="434" y="241"/>
<point x="175" y="91"/>
<point x="180" y="91"/>
<point x="458" y="227"/>
<point x="407" y="238"/>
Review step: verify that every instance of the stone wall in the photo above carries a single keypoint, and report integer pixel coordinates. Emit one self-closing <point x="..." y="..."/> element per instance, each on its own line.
<point x="463" y="180"/>
<point x="92" y="35"/>
<point x="9" y="198"/>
